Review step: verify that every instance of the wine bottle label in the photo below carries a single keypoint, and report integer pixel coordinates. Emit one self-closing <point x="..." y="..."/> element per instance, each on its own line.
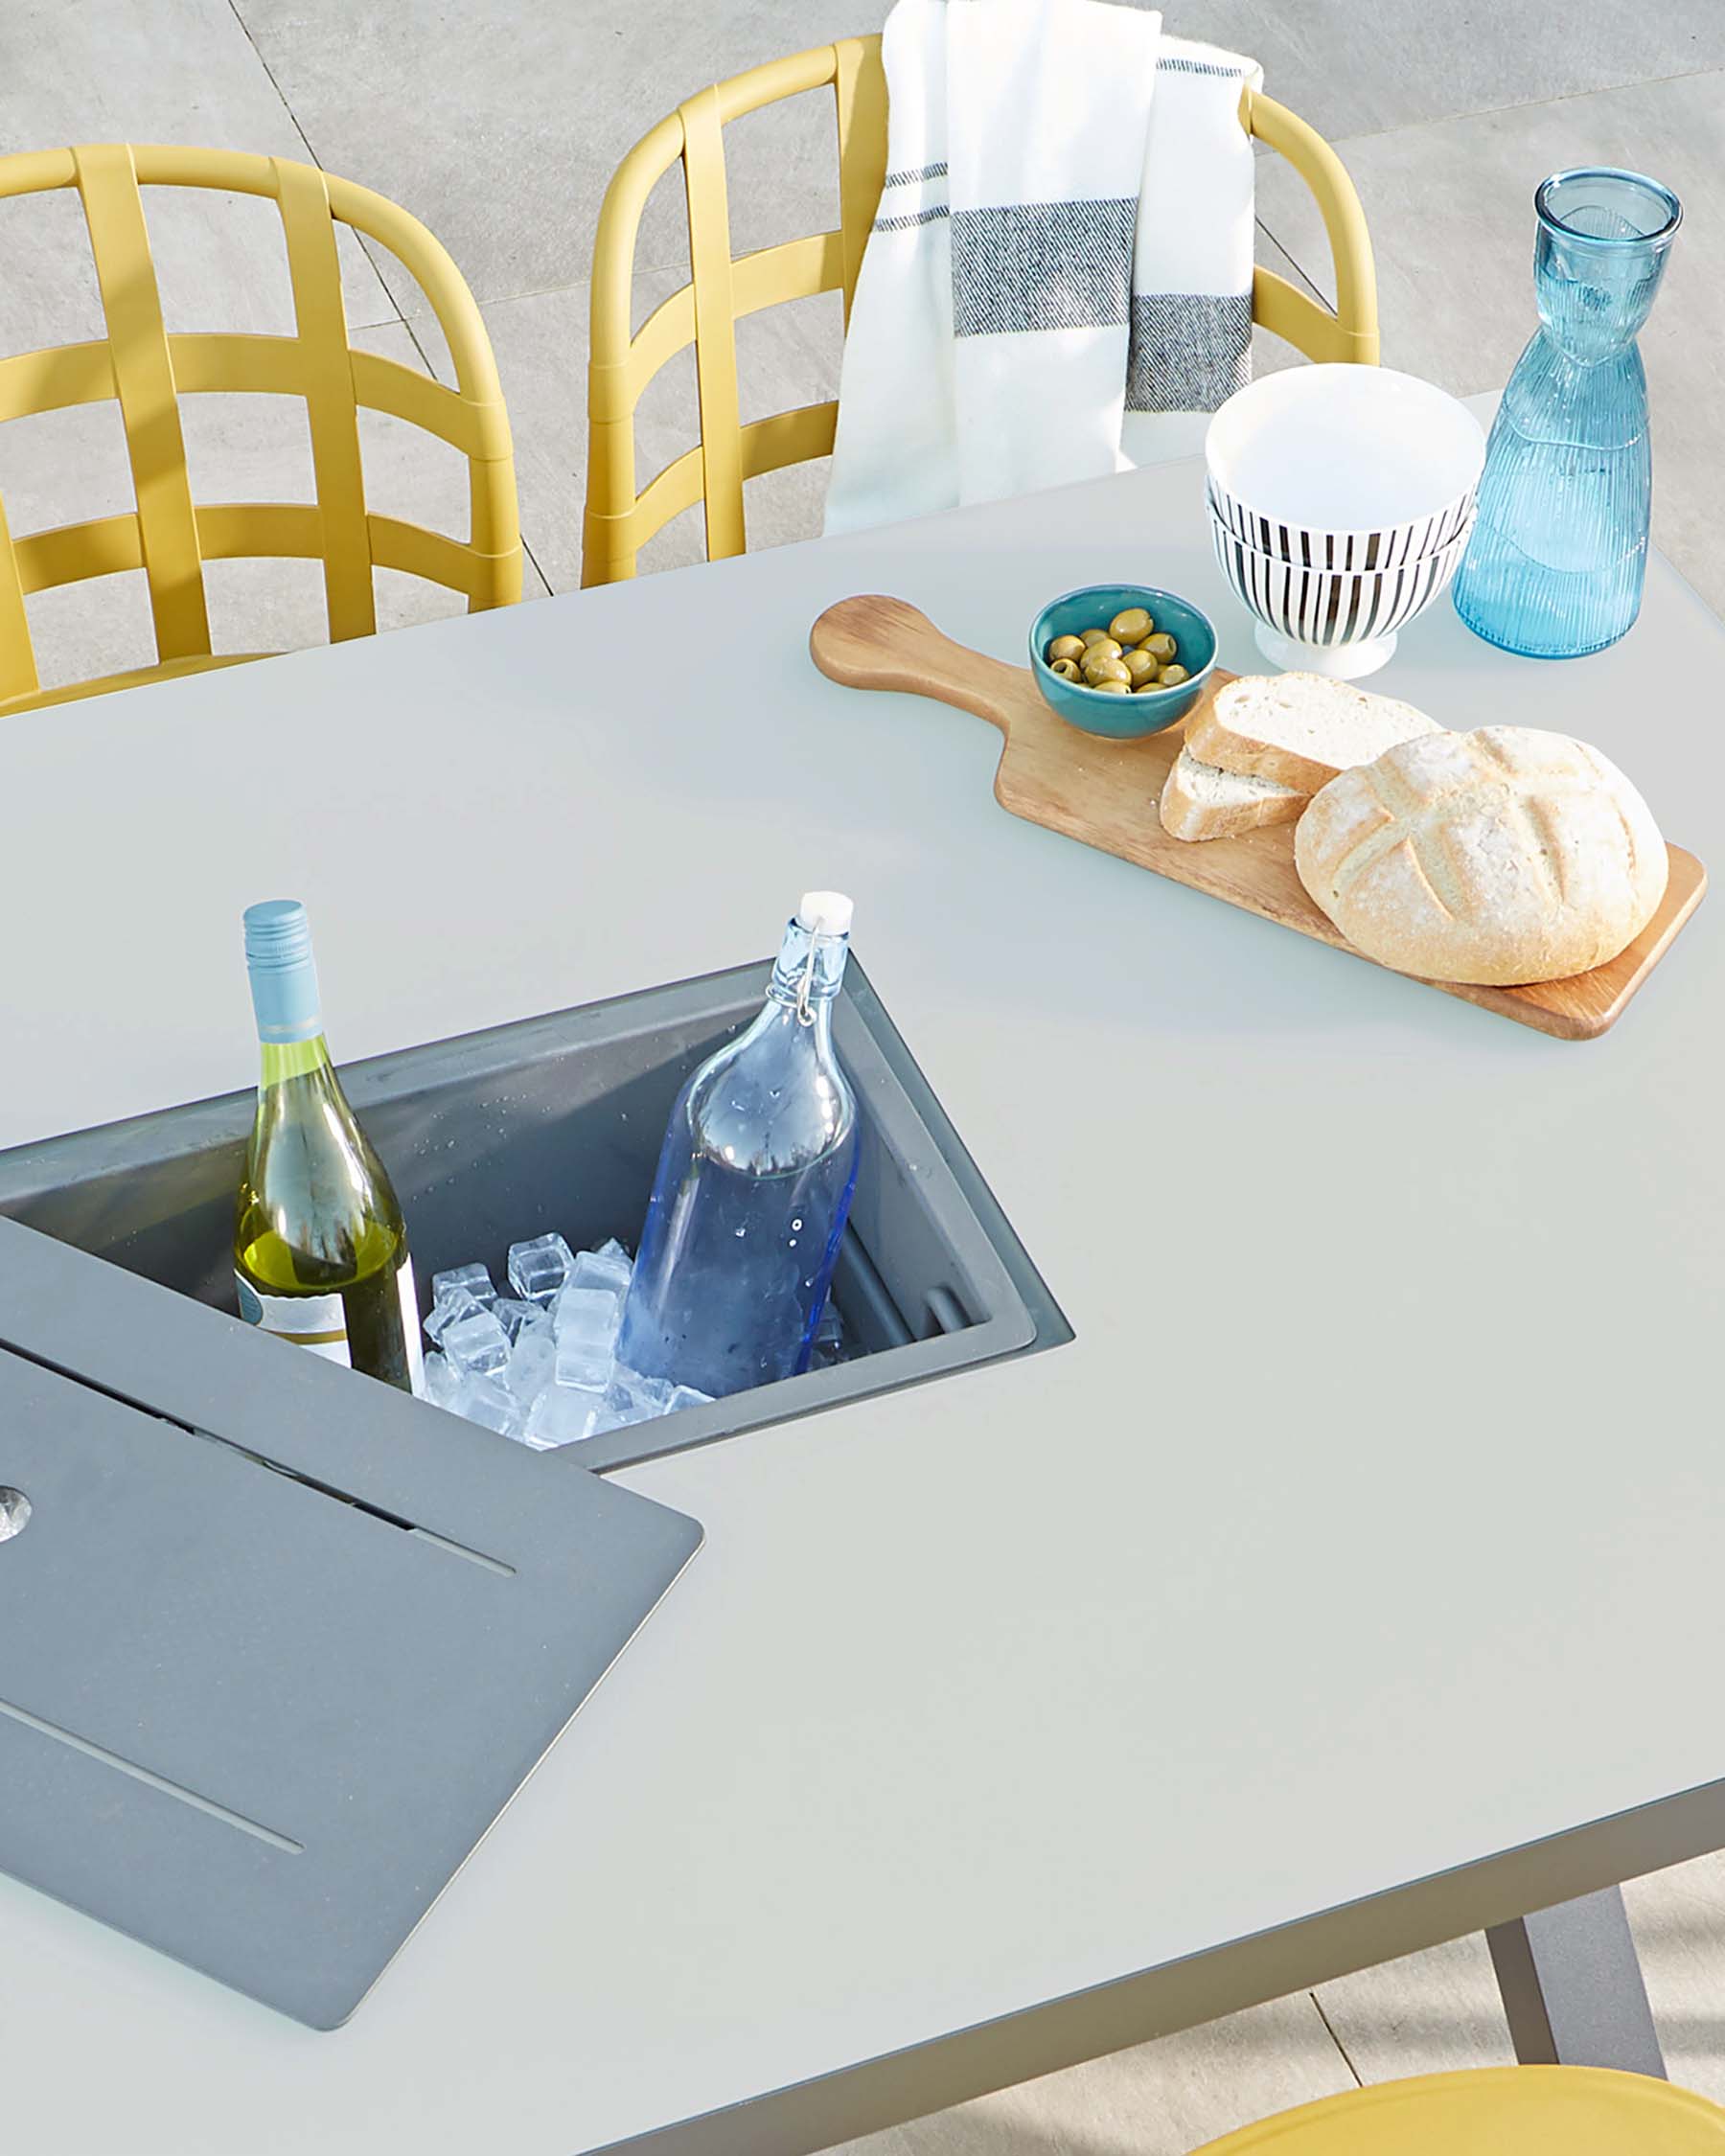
<point x="318" y="1322"/>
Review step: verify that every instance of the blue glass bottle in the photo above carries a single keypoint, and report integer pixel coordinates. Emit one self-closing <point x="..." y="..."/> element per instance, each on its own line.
<point x="753" y="1186"/>
<point x="1559" y="549"/>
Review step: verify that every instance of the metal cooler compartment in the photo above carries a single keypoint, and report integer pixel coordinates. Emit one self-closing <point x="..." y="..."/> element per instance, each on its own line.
<point x="555" y="1123"/>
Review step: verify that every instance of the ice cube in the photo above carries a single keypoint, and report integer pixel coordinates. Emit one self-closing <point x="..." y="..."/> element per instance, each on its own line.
<point x="610" y="1248"/>
<point x="445" y="1311"/>
<point x="538" y="1269"/>
<point x="559" y="1416"/>
<point x="532" y="1364"/>
<point x="586" y="1308"/>
<point x="515" y="1317"/>
<point x="601" y="1269"/>
<point x="583" y="1362"/>
<point x="685" y="1396"/>
<point x="477" y="1344"/>
<point x="484" y="1401"/>
<point x="631" y="1397"/>
<point x="587" y="1321"/>
<point x="441" y="1380"/>
<point x="473" y="1278"/>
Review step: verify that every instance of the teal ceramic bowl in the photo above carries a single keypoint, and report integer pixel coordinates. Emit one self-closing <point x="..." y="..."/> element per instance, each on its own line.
<point x="1122" y="717"/>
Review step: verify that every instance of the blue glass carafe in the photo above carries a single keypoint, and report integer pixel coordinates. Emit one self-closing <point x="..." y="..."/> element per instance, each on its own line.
<point x="1559" y="549"/>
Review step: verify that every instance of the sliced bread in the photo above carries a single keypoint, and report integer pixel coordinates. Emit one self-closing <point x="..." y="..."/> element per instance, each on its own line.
<point x="1300" y="729"/>
<point x="1200" y="801"/>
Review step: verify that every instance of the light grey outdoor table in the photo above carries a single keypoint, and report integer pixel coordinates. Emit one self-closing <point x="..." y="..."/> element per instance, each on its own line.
<point x="1339" y="1588"/>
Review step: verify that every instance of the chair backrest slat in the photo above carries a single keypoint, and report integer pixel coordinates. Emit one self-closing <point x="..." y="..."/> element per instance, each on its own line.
<point x="622" y="516"/>
<point x="715" y="323"/>
<point x="18" y="676"/>
<point x="144" y="379"/>
<point x="333" y="415"/>
<point x="859" y="91"/>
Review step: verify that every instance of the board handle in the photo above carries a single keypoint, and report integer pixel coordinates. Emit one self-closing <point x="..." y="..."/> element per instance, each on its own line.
<point x="875" y="642"/>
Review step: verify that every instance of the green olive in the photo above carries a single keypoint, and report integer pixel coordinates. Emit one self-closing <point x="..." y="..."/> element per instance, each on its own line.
<point x="1099" y="670"/>
<point x="1066" y="668"/>
<point x="1088" y="636"/>
<point x="1111" y="688"/>
<point x="1150" y="681"/>
<point x="1066" y="648"/>
<point x="1160" y="648"/>
<point x="1104" y="647"/>
<point x="1139" y="666"/>
<point x="1173" y="675"/>
<point x="1130" y="625"/>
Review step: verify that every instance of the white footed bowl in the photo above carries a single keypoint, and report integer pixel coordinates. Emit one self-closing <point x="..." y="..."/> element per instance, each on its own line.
<point x="1343" y="466"/>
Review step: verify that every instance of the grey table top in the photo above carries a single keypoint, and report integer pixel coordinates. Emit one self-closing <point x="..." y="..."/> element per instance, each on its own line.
<point x="1369" y="1528"/>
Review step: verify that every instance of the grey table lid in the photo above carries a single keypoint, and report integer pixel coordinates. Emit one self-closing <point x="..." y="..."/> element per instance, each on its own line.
<point x="275" y="1647"/>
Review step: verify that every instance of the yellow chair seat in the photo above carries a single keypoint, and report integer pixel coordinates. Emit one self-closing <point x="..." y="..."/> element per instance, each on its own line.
<point x="168" y="670"/>
<point x="1495" y="2111"/>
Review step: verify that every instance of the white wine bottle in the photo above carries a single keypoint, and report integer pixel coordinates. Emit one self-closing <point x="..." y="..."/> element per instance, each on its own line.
<point x="320" y="1248"/>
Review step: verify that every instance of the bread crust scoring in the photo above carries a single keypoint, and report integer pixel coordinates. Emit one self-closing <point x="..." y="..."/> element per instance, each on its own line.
<point x="1502" y="856"/>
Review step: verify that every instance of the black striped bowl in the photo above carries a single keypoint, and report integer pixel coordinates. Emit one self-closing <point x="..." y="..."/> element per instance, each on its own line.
<point x="1328" y="609"/>
<point x="1393" y="548"/>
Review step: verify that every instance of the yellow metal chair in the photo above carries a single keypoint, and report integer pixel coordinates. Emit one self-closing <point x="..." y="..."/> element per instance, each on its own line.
<point x="1496" y="2111"/>
<point x="147" y="370"/>
<point x="619" y="520"/>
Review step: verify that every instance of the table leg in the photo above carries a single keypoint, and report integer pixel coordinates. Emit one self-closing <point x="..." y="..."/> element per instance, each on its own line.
<point x="1573" y="1989"/>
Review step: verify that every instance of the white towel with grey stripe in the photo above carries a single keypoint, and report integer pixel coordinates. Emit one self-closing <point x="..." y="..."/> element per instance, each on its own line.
<point x="1060" y="268"/>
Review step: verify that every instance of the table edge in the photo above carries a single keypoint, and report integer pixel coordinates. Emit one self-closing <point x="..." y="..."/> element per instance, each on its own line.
<point x="886" y="2090"/>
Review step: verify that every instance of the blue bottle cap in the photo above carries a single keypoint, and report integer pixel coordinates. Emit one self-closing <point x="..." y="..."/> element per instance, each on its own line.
<point x="284" y="972"/>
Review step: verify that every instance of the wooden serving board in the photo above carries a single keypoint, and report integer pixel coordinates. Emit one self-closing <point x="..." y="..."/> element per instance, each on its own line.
<point x="1105" y="794"/>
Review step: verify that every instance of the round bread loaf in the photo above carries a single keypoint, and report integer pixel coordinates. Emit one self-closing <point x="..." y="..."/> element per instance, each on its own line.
<point x="1498" y="856"/>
